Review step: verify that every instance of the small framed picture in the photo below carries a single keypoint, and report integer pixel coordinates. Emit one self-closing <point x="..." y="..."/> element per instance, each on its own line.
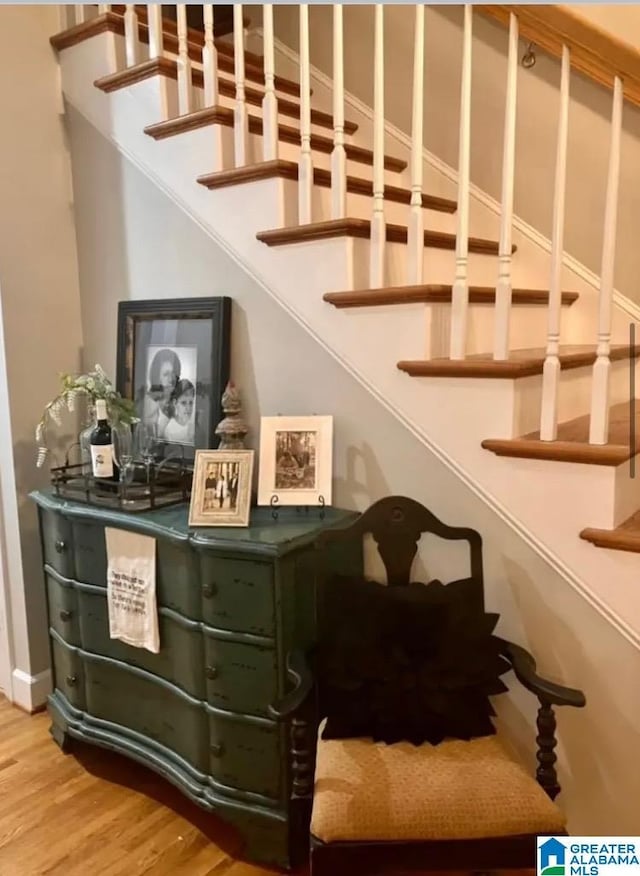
<point x="296" y="457"/>
<point x="173" y="363"/>
<point x="221" y="489"/>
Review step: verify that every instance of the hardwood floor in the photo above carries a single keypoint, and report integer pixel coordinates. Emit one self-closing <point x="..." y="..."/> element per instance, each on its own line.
<point x="94" y="812"/>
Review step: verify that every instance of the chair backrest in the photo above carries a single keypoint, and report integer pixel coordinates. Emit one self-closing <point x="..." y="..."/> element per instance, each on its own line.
<point x="397" y="524"/>
<point x="412" y="659"/>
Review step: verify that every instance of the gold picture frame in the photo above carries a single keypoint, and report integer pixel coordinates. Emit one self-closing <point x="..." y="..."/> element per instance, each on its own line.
<point x="221" y="489"/>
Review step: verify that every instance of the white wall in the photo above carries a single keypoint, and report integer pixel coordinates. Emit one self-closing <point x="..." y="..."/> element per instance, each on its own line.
<point x="40" y="303"/>
<point x="133" y="242"/>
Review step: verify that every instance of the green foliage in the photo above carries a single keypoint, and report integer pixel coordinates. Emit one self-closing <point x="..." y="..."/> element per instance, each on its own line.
<point x="92" y="386"/>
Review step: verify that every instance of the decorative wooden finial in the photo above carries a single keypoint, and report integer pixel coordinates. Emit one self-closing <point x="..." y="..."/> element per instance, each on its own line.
<point x="232" y="428"/>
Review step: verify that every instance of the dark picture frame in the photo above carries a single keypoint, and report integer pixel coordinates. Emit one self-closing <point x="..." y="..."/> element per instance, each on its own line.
<point x="173" y="362"/>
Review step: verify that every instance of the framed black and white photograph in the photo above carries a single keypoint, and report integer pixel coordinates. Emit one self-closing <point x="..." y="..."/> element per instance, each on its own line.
<point x="173" y="362"/>
<point x="296" y="457"/>
<point x="221" y="489"/>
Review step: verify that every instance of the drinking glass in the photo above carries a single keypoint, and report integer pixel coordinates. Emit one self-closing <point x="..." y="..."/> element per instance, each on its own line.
<point x="146" y="443"/>
<point x="122" y="437"/>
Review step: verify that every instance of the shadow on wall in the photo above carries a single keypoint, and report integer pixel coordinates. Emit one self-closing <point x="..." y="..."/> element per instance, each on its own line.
<point x="601" y="789"/>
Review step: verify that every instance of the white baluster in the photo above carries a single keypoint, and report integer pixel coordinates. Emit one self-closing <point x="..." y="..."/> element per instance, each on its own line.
<point x="131" y="41"/>
<point x="185" y="90"/>
<point x="241" y="117"/>
<point x="378" y="224"/>
<point x="305" y="162"/>
<point x="599" y="426"/>
<point x="209" y="59"/>
<point x="154" y="17"/>
<point x="63" y="17"/>
<point x="269" y="101"/>
<point x="81" y="11"/>
<point x="503" y="286"/>
<point x="339" y="155"/>
<point x="103" y="8"/>
<point x="415" y="249"/>
<point x="551" y="371"/>
<point x="460" y="294"/>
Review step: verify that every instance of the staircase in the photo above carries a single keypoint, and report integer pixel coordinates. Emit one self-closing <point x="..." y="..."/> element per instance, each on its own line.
<point x="509" y="360"/>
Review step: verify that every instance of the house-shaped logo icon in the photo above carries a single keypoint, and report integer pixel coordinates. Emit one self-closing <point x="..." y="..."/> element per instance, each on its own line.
<point x="551" y="858"/>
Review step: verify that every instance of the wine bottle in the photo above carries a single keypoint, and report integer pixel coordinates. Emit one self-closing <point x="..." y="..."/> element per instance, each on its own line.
<point x="101" y="441"/>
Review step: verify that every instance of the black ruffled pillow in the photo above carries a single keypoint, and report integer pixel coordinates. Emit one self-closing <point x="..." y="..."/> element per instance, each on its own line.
<point x="412" y="663"/>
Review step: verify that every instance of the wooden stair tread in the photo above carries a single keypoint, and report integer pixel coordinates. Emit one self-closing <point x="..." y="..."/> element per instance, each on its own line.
<point x="170" y="27"/>
<point x="625" y="537"/>
<point x="572" y="444"/>
<point x="113" y="22"/>
<point x="521" y="363"/>
<point x="435" y="293"/>
<point x="222" y="115"/>
<point x="168" y="67"/>
<point x="289" y="170"/>
<point x="362" y="228"/>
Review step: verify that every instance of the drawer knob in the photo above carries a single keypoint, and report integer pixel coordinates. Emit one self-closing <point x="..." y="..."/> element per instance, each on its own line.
<point x="72" y="680"/>
<point x="211" y="672"/>
<point x="65" y="615"/>
<point x="217" y="749"/>
<point x="60" y="545"/>
<point x="210" y="590"/>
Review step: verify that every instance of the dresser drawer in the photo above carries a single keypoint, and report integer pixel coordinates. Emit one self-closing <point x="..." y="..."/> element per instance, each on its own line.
<point x="240" y="677"/>
<point x="245" y="755"/>
<point x="90" y="553"/>
<point x="56" y="542"/>
<point x="176" y="568"/>
<point x="237" y="595"/>
<point x="180" y="659"/>
<point x="63" y="609"/>
<point x="69" y="672"/>
<point x="148" y="705"/>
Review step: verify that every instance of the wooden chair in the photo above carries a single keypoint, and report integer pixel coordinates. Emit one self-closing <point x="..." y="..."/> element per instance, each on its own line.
<point x="459" y="805"/>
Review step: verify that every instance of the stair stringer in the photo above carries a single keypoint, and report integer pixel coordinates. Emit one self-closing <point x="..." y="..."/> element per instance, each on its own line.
<point x="545" y="505"/>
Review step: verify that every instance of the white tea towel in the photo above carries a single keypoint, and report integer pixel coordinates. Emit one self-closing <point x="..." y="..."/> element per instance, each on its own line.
<point x="131" y="589"/>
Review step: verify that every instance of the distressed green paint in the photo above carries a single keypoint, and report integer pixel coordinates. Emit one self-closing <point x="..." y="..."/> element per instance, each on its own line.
<point x="231" y="603"/>
<point x="240" y="678"/>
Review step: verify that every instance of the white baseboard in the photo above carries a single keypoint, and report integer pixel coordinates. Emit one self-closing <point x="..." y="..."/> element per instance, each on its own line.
<point x="30" y="691"/>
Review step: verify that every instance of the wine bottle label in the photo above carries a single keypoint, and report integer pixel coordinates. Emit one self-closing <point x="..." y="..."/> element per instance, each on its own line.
<point x="102" y="460"/>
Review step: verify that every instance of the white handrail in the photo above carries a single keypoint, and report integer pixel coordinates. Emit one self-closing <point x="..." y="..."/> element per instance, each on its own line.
<point x="599" y="424"/>
<point x="338" y="155"/>
<point x="269" y="101"/>
<point x="551" y="370"/>
<point x="305" y="162"/>
<point x="378" y="222"/>
<point x="460" y="293"/>
<point x="502" y="313"/>
<point x="415" y="249"/>
<point x="240" y="114"/>
<point x="209" y="58"/>
<point x="185" y="90"/>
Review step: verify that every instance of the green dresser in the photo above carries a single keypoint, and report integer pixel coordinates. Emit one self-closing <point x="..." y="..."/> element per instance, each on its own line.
<point x="231" y="603"/>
